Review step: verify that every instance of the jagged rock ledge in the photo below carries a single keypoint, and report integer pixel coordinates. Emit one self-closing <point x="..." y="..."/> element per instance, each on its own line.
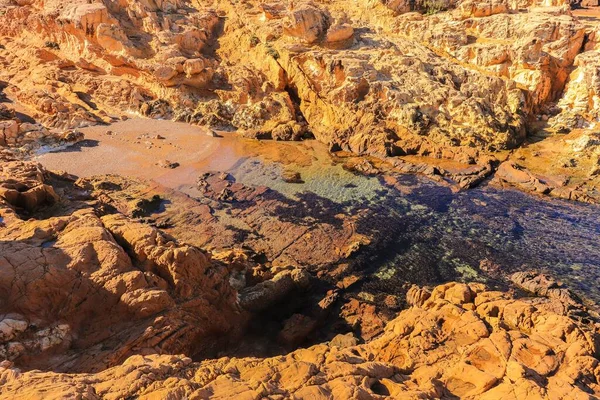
<point x="455" y="340"/>
<point x="478" y="83"/>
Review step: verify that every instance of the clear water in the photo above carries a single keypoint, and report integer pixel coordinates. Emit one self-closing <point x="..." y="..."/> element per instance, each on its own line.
<point x="428" y="233"/>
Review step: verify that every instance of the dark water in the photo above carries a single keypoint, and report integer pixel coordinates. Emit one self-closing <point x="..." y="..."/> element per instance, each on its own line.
<point x="425" y="233"/>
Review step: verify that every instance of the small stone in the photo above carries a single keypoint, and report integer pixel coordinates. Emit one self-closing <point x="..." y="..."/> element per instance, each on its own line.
<point x="292" y="177"/>
<point x="213" y="133"/>
<point x="343" y="341"/>
<point x="167" y="164"/>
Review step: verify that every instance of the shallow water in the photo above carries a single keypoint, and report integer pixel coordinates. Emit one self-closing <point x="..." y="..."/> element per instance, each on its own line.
<point x="448" y="234"/>
<point x="427" y="233"/>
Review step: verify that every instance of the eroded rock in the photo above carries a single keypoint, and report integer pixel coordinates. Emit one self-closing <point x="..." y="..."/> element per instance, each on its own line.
<point x="451" y="345"/>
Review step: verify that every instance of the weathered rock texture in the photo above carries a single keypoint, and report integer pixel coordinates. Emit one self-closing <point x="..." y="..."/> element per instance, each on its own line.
<point x="462" y="80"/>
<point x="84" y="286"/>
<point x="456" y="340"/>
<point x="27" y="136"/>
<point x="100" y="295"/>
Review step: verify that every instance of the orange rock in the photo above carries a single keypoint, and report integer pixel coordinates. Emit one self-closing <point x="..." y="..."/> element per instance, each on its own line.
<point x="422" y="353"/>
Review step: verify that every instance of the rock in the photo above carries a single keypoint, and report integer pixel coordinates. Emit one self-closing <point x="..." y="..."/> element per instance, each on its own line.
<point x="404" y="6"/>
<point x="307" y="23"/>
<point x="339" y="33"/>
<point x="262" y="295"/>
<point x="113" y="39"/>
<point x="515" y="175"/>
<point x="88" y="281"/>
<point x="585" y="142"/>
<point x="10" y="328"/>
<point x="417" y="296"/>
<point x="272" y="10"/>
<point x="156" y="305"/>
<point x="165" y="74"/>
<point x="292" y="177"/>
<point x="479" y="9"/>
<point x="212" y="133"/>
<point x="344" y="341"/>
<point x="441" y="349"/>
<point x="542" y="285"/>
<point x="144" y="303"/>
<point x="194" y="66"/>
<point x="537" y="59"/>
<point x="29" y="193"/>
<point x="167" y="164"/>
<point x="296" y="329"/>
<point x="6" y="113"/>
<point x="581" y="93"/>
<point x="9" y="131"/>
<point x="456" y="80"/>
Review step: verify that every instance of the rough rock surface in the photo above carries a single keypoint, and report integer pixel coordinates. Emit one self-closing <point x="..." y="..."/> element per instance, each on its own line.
<point x="27" y="136"/>
<point x="84" y="286"/>
<point x="456" y="340"/>
<point x="461" y="80"/>
<point x="98" y="295"/>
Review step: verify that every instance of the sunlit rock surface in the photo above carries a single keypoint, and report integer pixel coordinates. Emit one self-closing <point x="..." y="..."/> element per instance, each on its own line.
<point x="460" y="80"/>
<point x="454" y="340"/>
<point x="295" y="279"/>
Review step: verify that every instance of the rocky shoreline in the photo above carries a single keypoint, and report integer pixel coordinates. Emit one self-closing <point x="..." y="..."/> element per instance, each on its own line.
<point x="456" y="340"/>
<point x="504" y="89"/>
<point x="334" y="272"/>
<point x="136" y="249"/>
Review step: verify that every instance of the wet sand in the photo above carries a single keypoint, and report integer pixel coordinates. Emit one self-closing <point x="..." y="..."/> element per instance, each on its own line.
<point x="135" y="148"/>
<point x="588" y="16"/>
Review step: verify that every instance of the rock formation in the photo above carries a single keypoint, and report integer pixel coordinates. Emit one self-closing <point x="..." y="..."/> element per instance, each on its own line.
<point x="461" y="80"/>
<point x="27" y="136"/>
<point x="84" y="286"/>
<point x="89" y="287"/>
<point x="114" y="287"/>
<point x="455" y="340"/>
